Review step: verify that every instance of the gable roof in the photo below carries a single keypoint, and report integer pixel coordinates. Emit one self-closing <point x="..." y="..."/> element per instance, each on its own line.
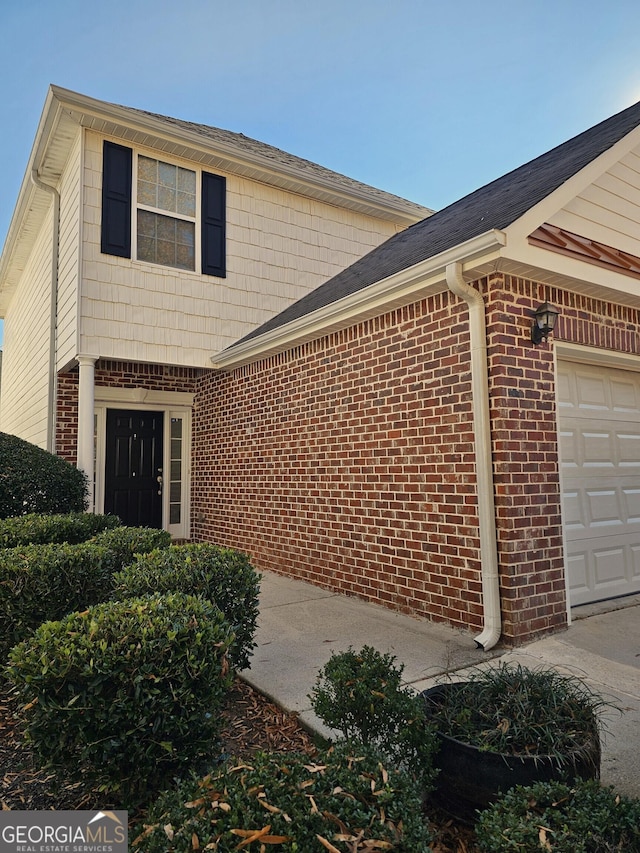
<point x="214" y="148"/>
<point x="491" y="208"/>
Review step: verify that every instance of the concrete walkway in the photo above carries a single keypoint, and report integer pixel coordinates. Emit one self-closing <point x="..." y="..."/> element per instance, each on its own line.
<point x="300" y="626"/>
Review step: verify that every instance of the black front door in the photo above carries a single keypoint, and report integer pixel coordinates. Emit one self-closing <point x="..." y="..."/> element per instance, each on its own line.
<point x="133" y="465"/>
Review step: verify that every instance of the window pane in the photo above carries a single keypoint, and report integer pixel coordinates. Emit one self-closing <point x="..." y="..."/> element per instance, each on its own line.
<point x="167" y="198"/>
<point x="166" y="253"/>
<point x="147" y="194"/>
<point x="186" y="204"/>
<point x="187" y="181"/>
<point x="174" y="514"/>
<point x="146" y="224"/>
<point x="147" y="249"/>
<point x="166" y="228"/>
<point x="185" y="258"/>
<point x="167" y="175"/>
<point x="176" y="427"/>
<point x="166" y="241"/>
<point x="147" y="169"/>
<point x="185" y="233"/>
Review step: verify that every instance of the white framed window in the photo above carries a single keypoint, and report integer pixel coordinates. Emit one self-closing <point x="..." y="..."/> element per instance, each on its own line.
<point x="166" y="208"/>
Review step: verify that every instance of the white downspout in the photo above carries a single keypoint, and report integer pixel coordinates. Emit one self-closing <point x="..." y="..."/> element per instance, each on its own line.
<point x="484" y="463"/>
<point x="53" y="308"/>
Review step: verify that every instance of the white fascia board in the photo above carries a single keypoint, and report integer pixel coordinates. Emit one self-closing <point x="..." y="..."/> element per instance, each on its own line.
<point x="408" y="285"/>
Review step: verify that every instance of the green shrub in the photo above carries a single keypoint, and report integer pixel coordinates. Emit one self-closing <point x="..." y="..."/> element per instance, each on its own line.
<point x="345" y="800"/>
<point x="43" y="582"/>
<point x="33" y="480"/>
<point x="124" y="543"/>
<point x="222" y="575"/>
<point x="37" y="529"/>
<point x="125" y="692"/>
<point x="552" y="816"/>
<point x="360" y="694"/>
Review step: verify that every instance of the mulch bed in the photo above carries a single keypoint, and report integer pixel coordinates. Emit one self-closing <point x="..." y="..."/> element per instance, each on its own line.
<point x="252" y="724"/>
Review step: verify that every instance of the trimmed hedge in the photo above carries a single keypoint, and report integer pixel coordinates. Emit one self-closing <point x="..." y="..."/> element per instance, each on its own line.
<point x="42" y="582"/>
<point x="125" y="693"/>
<point x="125" y="543"/>
<point x="38" y="529"/>
<point x="222" y="575"/>
<point x="552" y="816"/>
<point x="33" y="480"/>
<point x="45" y="582"/>
<point x="345" y="799"/>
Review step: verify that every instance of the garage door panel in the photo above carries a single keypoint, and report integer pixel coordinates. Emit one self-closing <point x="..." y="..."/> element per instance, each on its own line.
<point x="599" y="432"/>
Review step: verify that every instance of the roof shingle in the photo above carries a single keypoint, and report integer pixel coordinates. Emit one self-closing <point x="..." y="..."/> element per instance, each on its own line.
<point x="494" y="206"/>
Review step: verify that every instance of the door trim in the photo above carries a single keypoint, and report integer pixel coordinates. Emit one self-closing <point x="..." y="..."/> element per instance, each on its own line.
<point x="173" y="405"/>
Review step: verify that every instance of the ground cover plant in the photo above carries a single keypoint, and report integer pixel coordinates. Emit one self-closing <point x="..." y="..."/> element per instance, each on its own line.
<point x="552" y="816"/>
<point x="33" y="480"/>
<point x="125" y="693"/>
<point x="345" y="799"/>
<point x="512" y="710"/>
<point x="222" y="575"/>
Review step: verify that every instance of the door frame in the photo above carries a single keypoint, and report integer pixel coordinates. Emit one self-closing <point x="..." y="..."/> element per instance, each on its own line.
<point x="173" y="404"/>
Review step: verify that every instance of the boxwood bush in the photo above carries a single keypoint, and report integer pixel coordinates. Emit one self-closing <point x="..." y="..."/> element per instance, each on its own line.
<point x="343" y="800"/>
<point x="125" y="693"/>
<point x="561" y="818"/>
<point x="33" y="480"/>
<point x="125" y="543"/>
<point x="38" y="529"/>
<point x="43" y="582"/>
<point x="361" y="695"/>
<point x="222" y="575"/>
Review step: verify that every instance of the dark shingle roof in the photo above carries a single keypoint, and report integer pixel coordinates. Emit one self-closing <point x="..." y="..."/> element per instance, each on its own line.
<point x="279" y="158"/>
<point x="494" y="206"/>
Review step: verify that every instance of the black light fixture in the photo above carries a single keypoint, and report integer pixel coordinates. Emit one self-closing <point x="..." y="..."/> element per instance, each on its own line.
<point x="544" y="321"/>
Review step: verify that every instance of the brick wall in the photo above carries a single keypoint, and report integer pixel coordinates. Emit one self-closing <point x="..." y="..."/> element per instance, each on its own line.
<point x="349" y="463"/>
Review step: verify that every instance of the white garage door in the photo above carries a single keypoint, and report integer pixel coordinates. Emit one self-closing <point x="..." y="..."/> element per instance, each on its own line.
<point x="599" y="418"/>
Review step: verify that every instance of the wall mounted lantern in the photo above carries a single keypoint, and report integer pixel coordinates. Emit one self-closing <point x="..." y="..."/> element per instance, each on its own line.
<point x="544" y="321"/>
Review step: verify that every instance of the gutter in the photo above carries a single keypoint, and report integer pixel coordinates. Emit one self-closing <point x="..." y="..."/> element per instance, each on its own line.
<point x="53" y="308"/>
<point x="484" y="463"/>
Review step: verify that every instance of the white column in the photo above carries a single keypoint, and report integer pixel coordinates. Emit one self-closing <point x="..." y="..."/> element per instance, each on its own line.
<point x="86" y="406"/>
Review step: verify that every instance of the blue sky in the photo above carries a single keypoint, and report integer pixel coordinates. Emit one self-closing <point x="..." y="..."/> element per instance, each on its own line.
<point x="428" y="99"/>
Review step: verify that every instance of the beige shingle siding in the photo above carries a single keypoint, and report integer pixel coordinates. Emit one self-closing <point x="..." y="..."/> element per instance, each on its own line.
<point x="608" y="210"/>
<point x="23" y="410"/>
<point x="69" y="258"/>
<point x="279" y="247"/>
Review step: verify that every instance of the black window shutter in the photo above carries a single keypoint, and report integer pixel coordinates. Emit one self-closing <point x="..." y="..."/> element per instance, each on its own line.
<point x="213" y="225"/>
<point x="116" y="200"/>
